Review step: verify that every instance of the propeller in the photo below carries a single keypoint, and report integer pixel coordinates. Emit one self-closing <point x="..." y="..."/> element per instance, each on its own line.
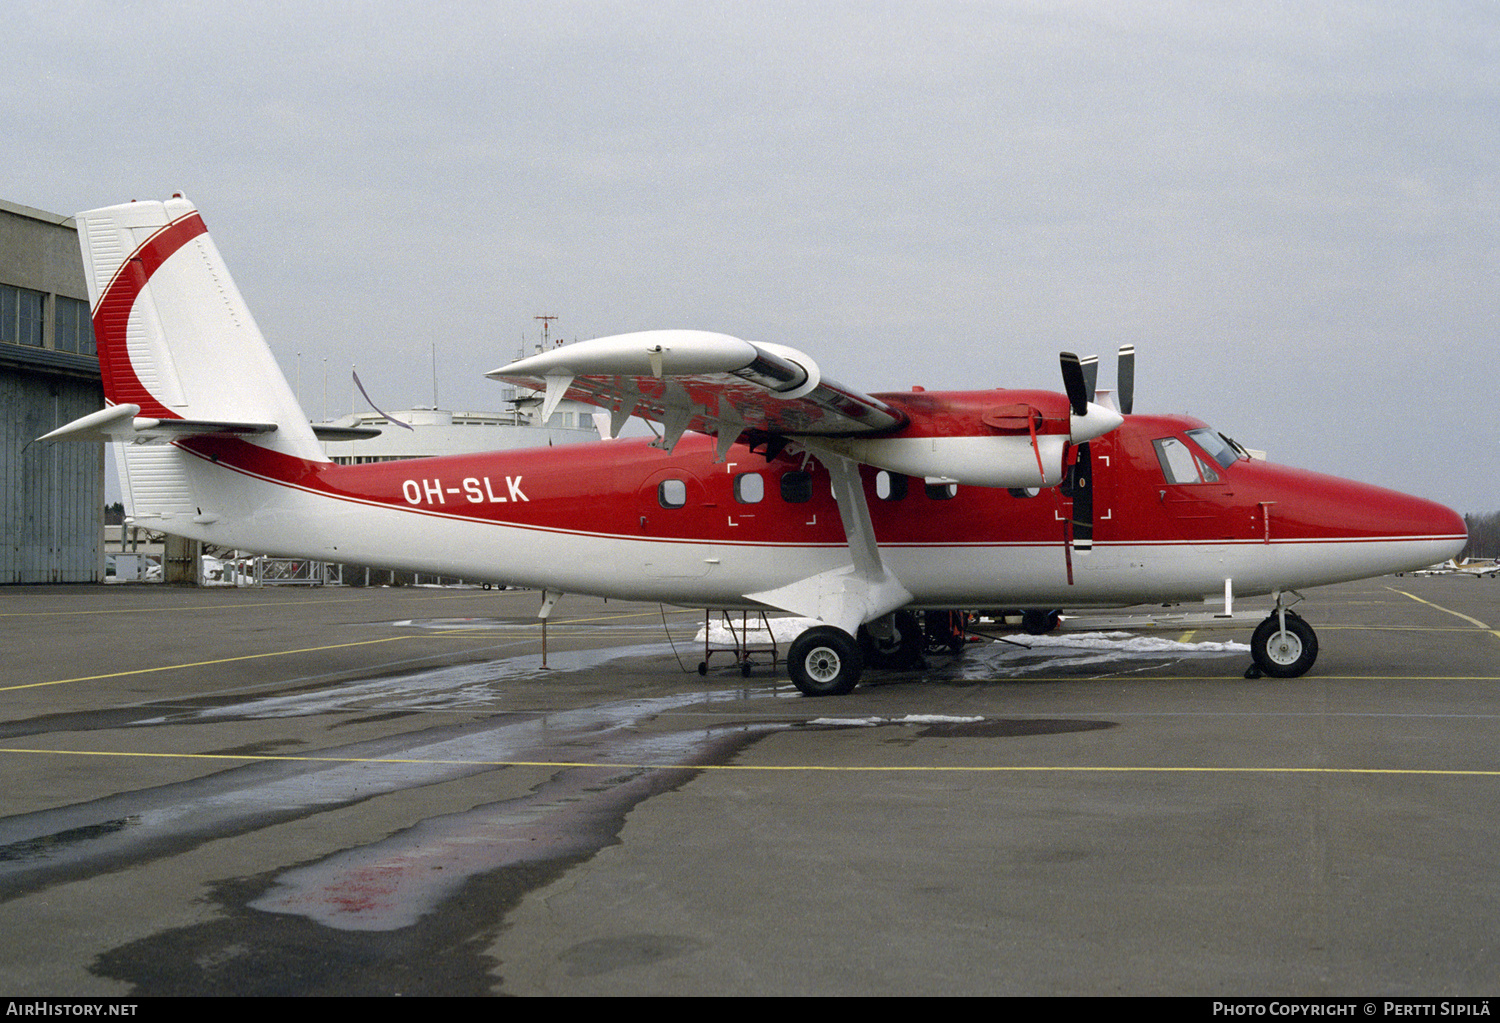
<point x="1125" y="380"/>
<point x="1074" y="382"/>
<point x="1080" y="380"/>
<point x="1078" y="484"/>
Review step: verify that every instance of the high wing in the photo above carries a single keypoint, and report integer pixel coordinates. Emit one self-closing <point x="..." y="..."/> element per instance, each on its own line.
<point x="721" y="385"/>
<point x="701" y="381"/>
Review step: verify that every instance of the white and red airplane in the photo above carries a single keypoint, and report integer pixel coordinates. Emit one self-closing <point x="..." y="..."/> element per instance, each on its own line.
<point x="1468" y="566"/>
<point x="768" y="485"/>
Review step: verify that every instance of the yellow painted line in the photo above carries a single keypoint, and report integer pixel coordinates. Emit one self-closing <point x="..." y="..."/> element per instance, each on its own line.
<point x="1324" y="627"/>
<point x="457" y="631"/>
<point x="1456" y="614"/>
<point x="827" y="768"/>
<point x="1187" y="637"/>
<point x="203" y="664"/>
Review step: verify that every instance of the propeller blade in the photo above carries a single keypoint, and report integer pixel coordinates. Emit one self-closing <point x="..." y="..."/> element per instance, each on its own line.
<point x="1080" y="487"/>
<point x="1090" y="375"/>
<point x="1074" y="383"/>
<point x="1125" y="386"/>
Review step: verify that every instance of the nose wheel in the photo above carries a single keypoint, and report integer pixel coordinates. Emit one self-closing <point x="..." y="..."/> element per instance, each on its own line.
<point x="1283" y="646"/>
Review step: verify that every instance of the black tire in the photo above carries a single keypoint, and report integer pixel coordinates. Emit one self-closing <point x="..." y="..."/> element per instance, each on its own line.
<point x="745" y="667"/>
<point x="945" y="631"/>
<point x="1284" y="656"/>
<point x="1039" y="623"/>
<point x="824" y="661"/>
<point x="905" y="652"/>
<point x="703" y="667"/>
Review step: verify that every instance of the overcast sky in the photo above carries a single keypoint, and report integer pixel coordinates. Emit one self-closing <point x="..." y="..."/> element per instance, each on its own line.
<point x="1293" y="210"/>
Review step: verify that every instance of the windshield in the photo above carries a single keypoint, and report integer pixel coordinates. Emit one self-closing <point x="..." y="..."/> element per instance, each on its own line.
<point x="1219" y="447"/>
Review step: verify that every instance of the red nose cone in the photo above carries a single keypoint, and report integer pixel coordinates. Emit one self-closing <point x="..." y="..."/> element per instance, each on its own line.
<point x="1375" y="511"/>
<point x="1309" y="506"/>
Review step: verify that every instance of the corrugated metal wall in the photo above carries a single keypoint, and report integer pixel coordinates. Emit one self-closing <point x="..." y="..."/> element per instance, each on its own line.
<point x="51" y="495"/>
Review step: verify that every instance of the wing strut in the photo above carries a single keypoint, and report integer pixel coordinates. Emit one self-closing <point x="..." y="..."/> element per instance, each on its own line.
<point x="859" y="592"/>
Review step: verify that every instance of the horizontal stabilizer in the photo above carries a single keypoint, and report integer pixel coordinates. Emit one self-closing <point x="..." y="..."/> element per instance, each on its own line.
<point x="121" y="422"/>
<point x="113" y="423"/>
<point x="175" y="429"/>
<point x="323" y="431"/>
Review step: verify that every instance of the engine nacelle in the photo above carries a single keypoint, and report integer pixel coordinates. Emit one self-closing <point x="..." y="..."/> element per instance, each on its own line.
<point x="993" y="461"/>
<point x="995" y="438"/>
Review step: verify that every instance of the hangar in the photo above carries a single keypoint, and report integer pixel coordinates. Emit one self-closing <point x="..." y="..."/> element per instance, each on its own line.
<point x="51" y="495"/>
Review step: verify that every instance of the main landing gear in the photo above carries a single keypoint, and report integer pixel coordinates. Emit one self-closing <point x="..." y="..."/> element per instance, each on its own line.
<point x="1283" y="646"/>
<point x="825" y="661"/>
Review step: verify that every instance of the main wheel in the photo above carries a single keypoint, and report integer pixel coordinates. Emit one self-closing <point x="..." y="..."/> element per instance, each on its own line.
<point x="904" y="650"/>
<point x="945" y="631"/>
<point x="1284" y="654"/>
<point x="824" y="661"/>
<point x="1039" y="623"/>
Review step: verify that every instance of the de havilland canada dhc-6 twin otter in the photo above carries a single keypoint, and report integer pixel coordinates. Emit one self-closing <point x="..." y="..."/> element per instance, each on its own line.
<point x="767" y="486"/>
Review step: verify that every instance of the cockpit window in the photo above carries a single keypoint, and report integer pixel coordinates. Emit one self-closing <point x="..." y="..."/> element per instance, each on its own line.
<point x="1179" y="465"/>
<point x="1219" y="447"/>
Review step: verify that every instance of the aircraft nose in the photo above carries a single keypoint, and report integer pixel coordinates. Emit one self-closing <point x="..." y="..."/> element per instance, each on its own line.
<point x="1452" y="524"/>
<point x="1433" y="532"/>
<point x="1396" y="531"/>
<point x="1405" y="515"/>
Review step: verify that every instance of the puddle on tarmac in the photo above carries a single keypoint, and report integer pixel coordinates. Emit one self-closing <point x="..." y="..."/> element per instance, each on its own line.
<point x="102" y="834"/>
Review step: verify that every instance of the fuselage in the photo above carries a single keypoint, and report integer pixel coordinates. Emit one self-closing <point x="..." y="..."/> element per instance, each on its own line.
<point x="1173" y="517"/>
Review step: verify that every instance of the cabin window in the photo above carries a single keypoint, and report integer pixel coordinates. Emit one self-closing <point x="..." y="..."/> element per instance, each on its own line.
<point x="672" y="493"/>
<point x="749" y="488"/>
<point x="941" y="491"/>
<point x="890" y="486"/>
<point x="796" y="487"/>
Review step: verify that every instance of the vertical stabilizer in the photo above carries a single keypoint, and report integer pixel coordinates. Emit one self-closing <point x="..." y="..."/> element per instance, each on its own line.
<point x="173" y="332"/>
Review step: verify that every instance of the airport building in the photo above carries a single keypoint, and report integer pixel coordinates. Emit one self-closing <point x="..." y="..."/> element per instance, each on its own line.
<point x="441" y="432"/>
<point x="51" y="495"/>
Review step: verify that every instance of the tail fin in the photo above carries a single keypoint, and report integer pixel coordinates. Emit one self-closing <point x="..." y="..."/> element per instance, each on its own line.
<point x="174" y="335"/>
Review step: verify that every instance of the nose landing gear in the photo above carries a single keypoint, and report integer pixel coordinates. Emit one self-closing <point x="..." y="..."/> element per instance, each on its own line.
<point x="1283" y="646"/>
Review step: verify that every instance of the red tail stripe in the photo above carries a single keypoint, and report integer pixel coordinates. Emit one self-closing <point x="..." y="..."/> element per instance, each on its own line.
<point x="121" y="385"/>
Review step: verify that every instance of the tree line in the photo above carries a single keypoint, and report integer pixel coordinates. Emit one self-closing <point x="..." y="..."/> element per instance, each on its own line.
<point x="1484" y="536"/>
